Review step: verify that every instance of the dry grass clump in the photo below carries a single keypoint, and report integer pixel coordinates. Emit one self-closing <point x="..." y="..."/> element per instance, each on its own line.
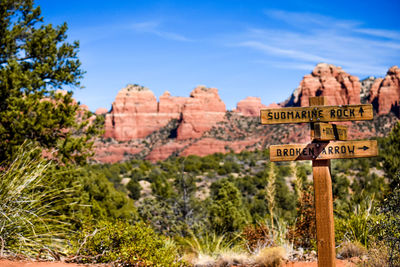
<point x="256" y="237"/>
<point x="266" y="257"/>
<point x="231" y="258"/>
<point x="377" y="256"/>
<point x="202" y="260"/>
<point x="270" y="257"/>
<point x="352" y="249"/>
<point x="29" y="205"/>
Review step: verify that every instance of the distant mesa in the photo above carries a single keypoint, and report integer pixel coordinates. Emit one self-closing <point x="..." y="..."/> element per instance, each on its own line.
<point x="136" y="113"/>
<point x="101" y="111"/>
<point x="202" y="110"/>
<point x="250" y="106"/>
<point x="385" y="93"/>
<point x="84" y="107"/>
<point x="327" y="80"/>
<point x="139" y="125"/>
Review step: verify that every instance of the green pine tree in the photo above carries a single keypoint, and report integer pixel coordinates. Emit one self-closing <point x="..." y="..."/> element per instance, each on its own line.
<point x="226" y="213"/>
<point x="36" y="61"/>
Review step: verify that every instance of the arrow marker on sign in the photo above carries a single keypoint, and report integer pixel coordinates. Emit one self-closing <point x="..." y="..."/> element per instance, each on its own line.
<point x="364" y="148"/>
<point x="361" y="111"/>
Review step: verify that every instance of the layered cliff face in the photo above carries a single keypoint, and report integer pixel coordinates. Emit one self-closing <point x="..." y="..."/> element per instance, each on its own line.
<point x="133" y="114"/>
<point x="136" y="113"/>
<point x="250" y="106"/>
<point x="139" y="126"/>
<point x="201" y="111"/>
<point x="327" y="80"/>
<point x="385" y="93"/>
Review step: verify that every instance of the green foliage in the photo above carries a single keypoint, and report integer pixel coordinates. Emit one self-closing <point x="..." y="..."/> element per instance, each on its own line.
<point x="160" y="215"/>
<point x="134" y="189"/>
<point x="359" y="225"/>
<point x="207" y="244"/>
<point x="389" y="225"/>
<point x="226" y="213"/>
<point x="105" y="201"/>
<point x="390" y="153"/>
<point x="31" y="207"/>
<point x="303" y="232"/>
<point x="35" y="61"/>
<point x="124" y="244"/>
<point x="92" y="196"/>
<point x="256" y="237"/>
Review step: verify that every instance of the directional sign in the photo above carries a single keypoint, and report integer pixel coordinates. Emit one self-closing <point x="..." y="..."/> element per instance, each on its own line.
<point x="331" y="150"/>
<point x="316" y="114"/>
<point x="326" y="131"/>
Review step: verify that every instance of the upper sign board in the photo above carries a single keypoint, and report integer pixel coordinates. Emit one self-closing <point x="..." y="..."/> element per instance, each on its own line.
<point x="324" y="150"/>
<point x="316" y="114"/>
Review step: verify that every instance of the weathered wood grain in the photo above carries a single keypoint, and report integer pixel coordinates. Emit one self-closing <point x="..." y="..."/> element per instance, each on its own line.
<point x="324" y="213"/>
<point x="316" y="114"/>
<point x="326" y="131"/>
<point x="324" y="150"/>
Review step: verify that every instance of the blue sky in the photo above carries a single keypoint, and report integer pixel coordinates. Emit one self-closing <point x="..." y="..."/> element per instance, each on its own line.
<point x="243" y="48"/>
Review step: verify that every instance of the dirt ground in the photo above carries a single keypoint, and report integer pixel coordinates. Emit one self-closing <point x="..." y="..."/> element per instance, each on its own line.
<point x="339" y="263"/>
<point x="8" y="263"/>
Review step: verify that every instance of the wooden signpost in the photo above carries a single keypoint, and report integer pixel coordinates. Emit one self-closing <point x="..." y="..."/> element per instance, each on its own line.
<point x="316" y="114"/>
<point x="324" y="150"/>
<point x="323" y="147"/>
<point x="326" y="131"/>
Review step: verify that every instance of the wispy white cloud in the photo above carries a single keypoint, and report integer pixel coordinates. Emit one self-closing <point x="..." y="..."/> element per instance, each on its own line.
<point x="299" y="19"/>
<point x="153" y="27"/>
<point x="290" y="53"/>
<point x="301" y="39"/>
<point x="380" y="33"/>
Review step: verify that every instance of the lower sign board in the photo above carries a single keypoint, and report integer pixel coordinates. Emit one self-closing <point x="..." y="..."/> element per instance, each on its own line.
<point x="324" y="150"/>
<point x="326" y="131"/>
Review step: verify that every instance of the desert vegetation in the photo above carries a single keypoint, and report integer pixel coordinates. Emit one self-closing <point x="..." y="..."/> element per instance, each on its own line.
<point x="217" y="210"/>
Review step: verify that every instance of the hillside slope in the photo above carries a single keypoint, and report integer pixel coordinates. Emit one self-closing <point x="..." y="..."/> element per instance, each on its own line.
<point x="140" y="127"/>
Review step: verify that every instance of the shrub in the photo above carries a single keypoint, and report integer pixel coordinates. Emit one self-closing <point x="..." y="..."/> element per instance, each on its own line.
<point x="30" y="205"/>
<point x="389" y="224"/>
<point x="303" y="233"/>
<point x="207" y="244"/>
<point x="378" y="256"/>
<point x="226" y="213"/>
<point x="270" y="257"/>
<point x="351" y="249"/>
<point x="256" y="237"/>
<point x="358" y="226"/>
<point x="134" y="189"/>
<point x="121" y="243"/>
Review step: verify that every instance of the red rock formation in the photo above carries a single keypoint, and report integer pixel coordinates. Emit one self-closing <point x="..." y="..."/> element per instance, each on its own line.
<point x="250" y="106"/>
<point x="171" y="104"/>
<point x="164" y="151"/>
<point x="136" y="114"/>
<point x="133" y="114"/>
<point x="111" y="153"/>
<point x="202" y="110"/>
<point x="209" y="146"/>
<point x="328" y="80"/>
<point x="385" y="93"/>
<point x="101" y="111"/>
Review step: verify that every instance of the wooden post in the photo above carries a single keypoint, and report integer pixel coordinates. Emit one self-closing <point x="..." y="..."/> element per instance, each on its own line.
<point x="323" y="204"/>
<point x="323" y="148"/>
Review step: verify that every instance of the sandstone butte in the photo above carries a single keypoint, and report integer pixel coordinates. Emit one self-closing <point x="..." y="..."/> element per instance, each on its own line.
<point x="327" y="80"/>
<point x="385" y="93"/>
<point x="135" y="114"/>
